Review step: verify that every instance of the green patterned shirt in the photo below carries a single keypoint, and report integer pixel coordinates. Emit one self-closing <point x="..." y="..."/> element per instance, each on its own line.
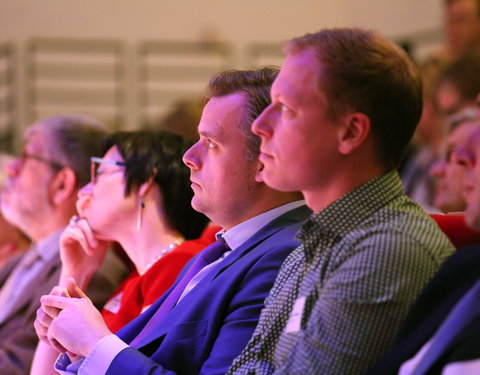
<point x="340" y="297"/>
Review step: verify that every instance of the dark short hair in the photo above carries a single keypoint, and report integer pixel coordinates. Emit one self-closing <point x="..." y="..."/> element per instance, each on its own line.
<point x="71" y="141"/>
<point x="159" y="154"/>
<point x="362" y="71"/>
<point x="255" y="86"/>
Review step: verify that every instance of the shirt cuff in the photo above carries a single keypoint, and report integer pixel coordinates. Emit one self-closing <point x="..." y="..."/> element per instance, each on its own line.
<point x="96" y="362"/>
<point x="102" y="355"/>
<point x="64" y="366"/>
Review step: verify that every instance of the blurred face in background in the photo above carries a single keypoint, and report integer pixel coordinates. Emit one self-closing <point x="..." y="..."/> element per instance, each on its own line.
<point x="448" y="100"/>
<point x="448" y="172"/>
<point x="462" y="26"/>
<point x="469" y="154"/>
<point x="25" y="199"/>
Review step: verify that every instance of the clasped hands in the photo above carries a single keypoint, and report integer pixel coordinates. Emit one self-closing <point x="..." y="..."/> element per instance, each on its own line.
<point x="68" y="321"/>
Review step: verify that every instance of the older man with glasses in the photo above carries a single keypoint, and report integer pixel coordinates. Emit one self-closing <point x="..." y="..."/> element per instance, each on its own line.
<point x="39" y="197"/>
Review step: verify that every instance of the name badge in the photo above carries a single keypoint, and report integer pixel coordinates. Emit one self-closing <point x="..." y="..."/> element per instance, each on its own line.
<point x="113" y="305"/>
<point x="295" y="320"/>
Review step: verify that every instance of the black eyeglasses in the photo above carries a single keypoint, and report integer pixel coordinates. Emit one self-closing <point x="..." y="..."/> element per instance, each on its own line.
<point x="24" y="156"/>
<point x="93" y="167"/>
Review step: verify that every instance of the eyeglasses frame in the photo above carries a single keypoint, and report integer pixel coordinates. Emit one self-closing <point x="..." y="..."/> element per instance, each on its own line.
<point x="24" y="155"/>
<point x="98" y="160"/>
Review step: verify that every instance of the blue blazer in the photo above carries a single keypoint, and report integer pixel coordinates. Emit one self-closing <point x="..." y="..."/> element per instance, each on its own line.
<point x="212" y="324"/>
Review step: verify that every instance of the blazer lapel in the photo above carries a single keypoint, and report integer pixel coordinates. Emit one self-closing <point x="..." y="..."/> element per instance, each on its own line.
<point x="291" y="217"/>
<point x="297" y="215"/>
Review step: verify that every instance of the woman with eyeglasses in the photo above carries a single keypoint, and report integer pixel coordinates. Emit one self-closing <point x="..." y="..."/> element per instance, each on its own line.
<point x="139" y="196"/>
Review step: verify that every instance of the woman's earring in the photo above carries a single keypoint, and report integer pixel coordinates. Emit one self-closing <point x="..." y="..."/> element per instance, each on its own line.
<point x="141" y="206"/>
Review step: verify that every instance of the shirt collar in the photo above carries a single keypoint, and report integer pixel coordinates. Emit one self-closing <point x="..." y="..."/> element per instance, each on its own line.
<point x="240" y="233"/>
<point x="346" y="213"/>
<point x="48" y="247"/>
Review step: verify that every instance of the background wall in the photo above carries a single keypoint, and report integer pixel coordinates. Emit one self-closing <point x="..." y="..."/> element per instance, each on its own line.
<point x="238" y="22"/>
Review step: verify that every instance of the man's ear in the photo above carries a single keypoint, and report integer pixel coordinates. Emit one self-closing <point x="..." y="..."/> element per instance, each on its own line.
<point x="354" y="130"/>
<point x="259" y="173"/>
<point x="63" y="185"/>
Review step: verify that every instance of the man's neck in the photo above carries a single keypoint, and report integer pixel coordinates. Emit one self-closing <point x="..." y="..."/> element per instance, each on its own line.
<point x="270" y="200"/>
<point x="240" y="233"/>
<point x="318" y="199"/>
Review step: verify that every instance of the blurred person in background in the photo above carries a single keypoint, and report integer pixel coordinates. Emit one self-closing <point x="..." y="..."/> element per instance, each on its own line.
<point x="39" y="197"/>
<point x="428" y="139"/>
<point x="183" y="118"/>
<point x="453" y="88"/>
<point x="458" y="86"/>
<point x="462" y="26"/>
<point x="139" y="196"/>
<point x="448" y="173"/>
<point x="12" y="241"/>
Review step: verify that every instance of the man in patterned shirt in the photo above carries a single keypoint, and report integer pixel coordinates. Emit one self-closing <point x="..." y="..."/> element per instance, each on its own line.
<point x="344" y="106"/>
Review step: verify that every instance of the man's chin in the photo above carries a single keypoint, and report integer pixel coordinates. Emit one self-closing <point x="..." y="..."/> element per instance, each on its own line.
<point x="197" y="204"/>
<point x="11" y="217"/>
<point x="276" y="182"/>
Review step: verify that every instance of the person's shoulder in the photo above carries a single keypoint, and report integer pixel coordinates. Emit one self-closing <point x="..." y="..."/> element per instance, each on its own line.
<point x="276" y="247"/>
<point x="400" y="233"/>
<point x="404" y="217"/>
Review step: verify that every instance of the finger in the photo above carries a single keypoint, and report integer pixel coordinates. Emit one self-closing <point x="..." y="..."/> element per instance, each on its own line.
<point x="40" y="329"/>
<point x="53" y="341"/>
<point x="54" y="301"/>
<point x="56" y="345"/>
<point x="59" y="291"/>
<point x="73" y="357"/>
<point x="74" y="235"/>
<point x="43" y="319"/>
<point x="51" y="312"/>
<point x="88" y="233"/>
<point x="74" y="290"/>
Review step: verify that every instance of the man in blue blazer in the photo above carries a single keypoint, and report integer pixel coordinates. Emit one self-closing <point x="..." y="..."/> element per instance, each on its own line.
<point x="218" y="308"/>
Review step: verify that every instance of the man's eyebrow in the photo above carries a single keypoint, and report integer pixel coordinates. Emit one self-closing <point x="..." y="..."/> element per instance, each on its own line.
<point x="210" y="134"/>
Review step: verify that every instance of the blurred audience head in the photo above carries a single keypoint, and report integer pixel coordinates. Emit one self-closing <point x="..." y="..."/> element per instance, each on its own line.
<point x="12" y="240"/>
<point x="183" y="118"/>
<point x="147" y="160"/>
<point x="430" y="130"/>
<point x="469" y="154"/>
<point x="458" y="85"/>
<point x="40" y="190"/>
<point x="448" y="171"/>
<point x="462" y="26"/>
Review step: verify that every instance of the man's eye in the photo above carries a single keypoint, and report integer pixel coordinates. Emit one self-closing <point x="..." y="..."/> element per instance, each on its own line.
<point x="285" y="109"/>
<point x="211" y="144"/>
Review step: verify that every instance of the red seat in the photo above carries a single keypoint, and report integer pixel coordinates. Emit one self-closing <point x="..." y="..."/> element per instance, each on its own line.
<point x="209" y="232"/>
<point x="456" y="229"/>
